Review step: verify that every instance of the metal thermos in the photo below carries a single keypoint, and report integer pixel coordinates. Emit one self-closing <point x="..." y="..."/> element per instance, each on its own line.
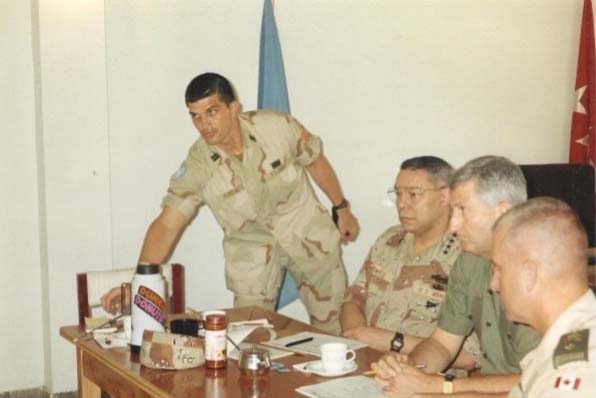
<point x="148" y="303"/>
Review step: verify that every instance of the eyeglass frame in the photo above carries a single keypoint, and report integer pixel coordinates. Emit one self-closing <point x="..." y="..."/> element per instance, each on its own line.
<point x="417" y="192"/>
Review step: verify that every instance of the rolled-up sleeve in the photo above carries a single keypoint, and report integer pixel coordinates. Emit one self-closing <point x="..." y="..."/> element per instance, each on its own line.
<point x="454" y="316"/>
<point x="185" y="190"/>
<point x="307" y="146"/>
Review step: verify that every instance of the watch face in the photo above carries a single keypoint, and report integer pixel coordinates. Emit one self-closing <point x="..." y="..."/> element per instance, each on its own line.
<point x="397" y="343"/>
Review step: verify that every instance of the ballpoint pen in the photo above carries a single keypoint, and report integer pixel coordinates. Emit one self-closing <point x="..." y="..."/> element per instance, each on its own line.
<point x="293" y="343"/>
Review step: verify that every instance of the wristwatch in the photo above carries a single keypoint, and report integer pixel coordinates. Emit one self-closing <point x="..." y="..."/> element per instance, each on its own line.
<point x="448" y="383"/>
<point x="398" y="342"/>
<point x="342" y="205"/>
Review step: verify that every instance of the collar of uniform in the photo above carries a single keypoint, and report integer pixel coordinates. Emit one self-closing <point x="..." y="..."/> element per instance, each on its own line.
<point x="564" y="323"/>
<point x="248" y="140"/>
<point x="440" y="249"/>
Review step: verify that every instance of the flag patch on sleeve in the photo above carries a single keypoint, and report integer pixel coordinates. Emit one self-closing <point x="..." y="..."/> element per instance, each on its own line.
<point x="567" y="383"/>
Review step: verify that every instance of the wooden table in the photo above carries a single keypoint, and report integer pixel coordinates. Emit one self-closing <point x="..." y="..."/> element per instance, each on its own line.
<point x="119" y="372"/>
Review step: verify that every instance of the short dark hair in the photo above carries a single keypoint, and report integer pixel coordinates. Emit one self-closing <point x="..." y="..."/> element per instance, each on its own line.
<point x="438" y="169"/>
<point x="207" y="84"/>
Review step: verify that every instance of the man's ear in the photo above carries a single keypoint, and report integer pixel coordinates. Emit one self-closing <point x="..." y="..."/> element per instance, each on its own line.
<point x="235" y="107"/>
<point x="502" y="207"/>
<point x="445" y="196"/>
<point x="529" y="275"/>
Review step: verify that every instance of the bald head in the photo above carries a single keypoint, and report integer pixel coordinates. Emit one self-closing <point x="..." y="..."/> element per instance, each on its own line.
<point x="547" y="231"/>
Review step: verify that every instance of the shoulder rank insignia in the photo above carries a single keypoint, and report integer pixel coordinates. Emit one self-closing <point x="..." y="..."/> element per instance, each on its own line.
<point x="572" y="347"/>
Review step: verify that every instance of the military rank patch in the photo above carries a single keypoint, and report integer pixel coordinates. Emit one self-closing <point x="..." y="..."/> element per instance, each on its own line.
<point x="572" y="347"/>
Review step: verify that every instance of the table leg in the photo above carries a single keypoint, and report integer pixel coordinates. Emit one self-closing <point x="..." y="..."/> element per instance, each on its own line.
<point x="86" y="388"/>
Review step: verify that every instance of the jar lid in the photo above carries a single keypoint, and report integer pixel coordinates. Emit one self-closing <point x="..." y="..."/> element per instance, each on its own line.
<point x="216" y="319"/>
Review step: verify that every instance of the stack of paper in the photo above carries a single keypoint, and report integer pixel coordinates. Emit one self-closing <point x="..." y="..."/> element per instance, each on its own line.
<point x="310" y="343"/>
<point x="344" y="387"/>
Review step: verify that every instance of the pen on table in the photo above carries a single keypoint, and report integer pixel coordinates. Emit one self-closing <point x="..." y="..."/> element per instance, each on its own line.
<point x="293" y="343"/>
<point x="265" y="325"/>
<point x="90" y="332"/>
<point x="373" y="373"/>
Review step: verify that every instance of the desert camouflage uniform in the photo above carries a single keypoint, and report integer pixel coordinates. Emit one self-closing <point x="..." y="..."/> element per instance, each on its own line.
<point x="399" y="291"/>
<point x="269" y="214"/>
<point x="564" y="363"/>
<point x="471" y="305"/>
<point x="161" y="350"/>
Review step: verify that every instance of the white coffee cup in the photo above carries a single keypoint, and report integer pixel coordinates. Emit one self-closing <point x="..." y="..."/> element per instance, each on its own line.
<point x="336" y="356"/>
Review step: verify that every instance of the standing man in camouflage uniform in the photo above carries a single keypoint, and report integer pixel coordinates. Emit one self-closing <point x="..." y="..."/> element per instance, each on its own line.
<point x="540" y="271"/>
<point x="481" y="190"/>
<point x="395" y="300"/>
<point x="251" y="170"/>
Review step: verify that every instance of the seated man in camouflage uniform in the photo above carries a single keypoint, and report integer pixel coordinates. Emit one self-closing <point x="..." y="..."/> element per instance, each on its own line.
<point x="481" y="190"/>
<point x="395" y="300"/>
<point x="540" y="271"/>
<point x="252" y="169"/>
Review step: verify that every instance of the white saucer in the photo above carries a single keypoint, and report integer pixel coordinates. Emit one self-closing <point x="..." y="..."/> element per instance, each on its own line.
<point x="316" y="367"/>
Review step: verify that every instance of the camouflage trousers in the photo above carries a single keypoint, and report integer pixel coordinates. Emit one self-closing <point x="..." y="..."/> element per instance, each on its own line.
<point x="254" y="274"/>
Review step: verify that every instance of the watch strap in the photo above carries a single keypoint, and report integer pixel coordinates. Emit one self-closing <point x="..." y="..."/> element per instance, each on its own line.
<point x="342" y="205"/>
<point x="397" y="343"/>
<point x="448" y="387"/>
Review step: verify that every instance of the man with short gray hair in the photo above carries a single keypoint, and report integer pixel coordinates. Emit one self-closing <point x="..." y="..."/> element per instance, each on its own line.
<point x="481" y="190"/>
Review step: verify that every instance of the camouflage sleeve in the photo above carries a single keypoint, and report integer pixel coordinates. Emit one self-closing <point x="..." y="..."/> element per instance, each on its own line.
<point x="357" y="292"/>
<point x="453" y="317"/>
<point x="472" y="347"/>
<point x="184" y="192"/>
<point x="307" y="147"/>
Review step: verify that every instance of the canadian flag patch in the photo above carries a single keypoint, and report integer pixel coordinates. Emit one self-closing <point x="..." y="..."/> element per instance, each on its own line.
<point x="567" y="383"/>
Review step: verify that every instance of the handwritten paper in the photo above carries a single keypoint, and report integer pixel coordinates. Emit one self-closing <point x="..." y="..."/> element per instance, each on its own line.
<point x="312" y="347"/>
<point x="344" y="387"/>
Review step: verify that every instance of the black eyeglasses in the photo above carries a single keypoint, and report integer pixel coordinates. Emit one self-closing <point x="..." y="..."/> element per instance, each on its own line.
<point x="411" y="195"/>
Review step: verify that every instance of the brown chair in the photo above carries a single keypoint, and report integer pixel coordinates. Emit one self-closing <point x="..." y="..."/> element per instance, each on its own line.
<point x="92" y="285"/>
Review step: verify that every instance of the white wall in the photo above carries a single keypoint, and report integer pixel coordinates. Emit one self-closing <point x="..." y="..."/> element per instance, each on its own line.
<point x="21" y="345"/>
<point x="76" y="164"/>
<point x="379" y="81"/>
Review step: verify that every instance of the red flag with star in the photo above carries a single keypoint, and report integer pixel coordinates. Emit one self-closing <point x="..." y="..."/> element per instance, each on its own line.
<point x="582" y="147"/>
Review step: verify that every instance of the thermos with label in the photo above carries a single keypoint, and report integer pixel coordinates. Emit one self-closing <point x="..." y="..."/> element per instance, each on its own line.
<point x="148" y="304"/>
<point x="215" y="341"/>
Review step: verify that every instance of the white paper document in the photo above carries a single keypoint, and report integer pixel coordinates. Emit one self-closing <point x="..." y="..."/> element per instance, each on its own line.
<point x="310" y="343"/>
<point x="238" y="331"/>
<point x="274" y="353"/>
<point x="344" y="387"/>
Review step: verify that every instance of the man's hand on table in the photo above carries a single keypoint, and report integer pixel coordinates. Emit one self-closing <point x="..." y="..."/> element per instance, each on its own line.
<point x="400" y="378"/>
<point x="111" y="301"/>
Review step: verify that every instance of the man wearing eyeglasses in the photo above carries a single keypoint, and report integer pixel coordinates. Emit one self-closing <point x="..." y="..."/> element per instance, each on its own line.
<point x="481" y="190"/>
<point x="395" y="300"/>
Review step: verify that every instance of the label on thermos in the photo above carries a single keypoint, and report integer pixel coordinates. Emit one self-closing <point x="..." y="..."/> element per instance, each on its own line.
<point x="148" y="307"/>
<point x="151" y="303"/>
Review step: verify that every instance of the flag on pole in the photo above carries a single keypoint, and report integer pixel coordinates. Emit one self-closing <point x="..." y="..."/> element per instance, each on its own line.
<point x="582" y="147"/>
<point x="273" y="94"/>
